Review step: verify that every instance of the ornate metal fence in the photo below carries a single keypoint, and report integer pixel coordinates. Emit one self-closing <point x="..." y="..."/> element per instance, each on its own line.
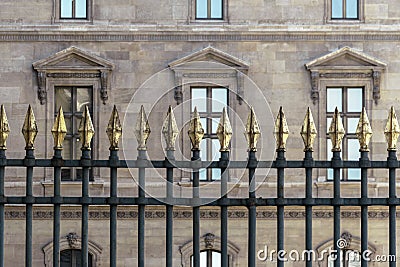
<point x="196" y="132"/>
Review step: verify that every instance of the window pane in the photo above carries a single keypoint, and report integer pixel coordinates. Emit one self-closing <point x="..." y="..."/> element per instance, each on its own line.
<point x="351" y="9"/>
<point x="329" y="175"/>
<point x="203" y="259"/>
<point x="352" y="125"/>
<point x="203" y="122"/>
<point x="65" y="258"/>
<point x="214" y="124"/>
<point x="219" y="99"/>
<point x="201" y="9"/>
<point x="63" y="98"/>
<point x="67" y="148"/>
<point x="354" y="99"/>
<point x="84" y="97"/>
<point x="216" y="173"/>
<point x="80" y="8"/>
<point x="66" y="8"/>
<point x="203" y="157"/>
<point x="68" y="123"/>
<point x="334" y="99"/>
<point x="216" y="9"/>
<point x="216" y="258"/>
<point x="199" y="99"/>
<point x="328" y="124"/>
<point x="337" y="9"/>
<point x="353" y="154"/>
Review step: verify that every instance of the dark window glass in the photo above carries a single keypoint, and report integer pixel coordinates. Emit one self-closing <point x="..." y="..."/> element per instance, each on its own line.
<point x="72" y="258"/>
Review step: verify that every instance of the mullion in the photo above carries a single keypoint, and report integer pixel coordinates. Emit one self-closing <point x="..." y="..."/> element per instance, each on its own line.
<point x="209" y="9"/>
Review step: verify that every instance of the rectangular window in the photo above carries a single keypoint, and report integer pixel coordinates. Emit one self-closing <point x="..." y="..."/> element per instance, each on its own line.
<point x="209" y="9"/>
<point x="209" y="102"/>
<point x="349" y="101"/>
<point x="73" y="9"/>
<point x="345" y="9"/>
<point x="73" y="101"/>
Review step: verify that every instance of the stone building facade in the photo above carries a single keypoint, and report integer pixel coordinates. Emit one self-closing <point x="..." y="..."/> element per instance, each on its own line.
<point x="289" y="53"/>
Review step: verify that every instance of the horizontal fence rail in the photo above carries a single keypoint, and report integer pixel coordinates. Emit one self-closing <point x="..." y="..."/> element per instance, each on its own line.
<point x="169" y="164"/>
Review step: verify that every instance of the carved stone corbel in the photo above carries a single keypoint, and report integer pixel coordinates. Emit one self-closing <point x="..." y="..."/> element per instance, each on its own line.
<point x="314" y="86"/>
<point x="42" y="93"/>
<point x="376" y="91"/>
<point x="178" y="94"/>
<point x="104" y="80"/>
<point x="240" y="86"/>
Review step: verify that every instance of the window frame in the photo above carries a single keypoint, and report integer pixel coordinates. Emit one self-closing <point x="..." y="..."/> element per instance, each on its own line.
<point x="209" y="136"/>
<point x="209" y="262"/>
<point x="344" y="20"/>
<point x="76" y="258"/>
<point x="344" y="115"/>
<point x="56" y="18"/>
<point x="192" y="18"/>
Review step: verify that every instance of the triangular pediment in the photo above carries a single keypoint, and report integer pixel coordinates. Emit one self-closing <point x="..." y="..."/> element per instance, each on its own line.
<point x="73" y="58"/>
<point x="345" y="58"/>
<point x="210" y="54"/>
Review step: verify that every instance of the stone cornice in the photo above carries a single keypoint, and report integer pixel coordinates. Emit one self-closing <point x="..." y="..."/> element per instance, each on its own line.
<point x="204" y="35"/>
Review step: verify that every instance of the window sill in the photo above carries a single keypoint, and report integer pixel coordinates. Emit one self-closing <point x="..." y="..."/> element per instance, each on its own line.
<point x="72" y="21"/>
<point x="98" y="183"/>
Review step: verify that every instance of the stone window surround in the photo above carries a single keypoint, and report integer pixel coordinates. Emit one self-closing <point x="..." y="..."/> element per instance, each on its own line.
<point x="208" y="242"/>
<point x="192" y="14"/>
<point x="56" y="14"/>
<point x="328" y="14"/>
<point x="72" y="241"/>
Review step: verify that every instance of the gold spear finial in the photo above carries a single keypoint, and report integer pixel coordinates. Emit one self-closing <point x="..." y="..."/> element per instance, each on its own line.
<point x="86" y="129"/>
<point x="392" y="130"/>
<point x="224" y="131"/>
<point x="281" y="131"/>
<point x="170" y="129"/>
<point x="252" y="131"/>
<point x="308" y="131"/>
<point x="4" y="128"/>
<point x="336" y="131"/>
<point x="142" y="130"/>
<point x="29" y="129"/>
<point x="364" y="131"/>
<point x="196" y="131"/>
<point x="59" y="130"/>
<point x="114" y="129"/>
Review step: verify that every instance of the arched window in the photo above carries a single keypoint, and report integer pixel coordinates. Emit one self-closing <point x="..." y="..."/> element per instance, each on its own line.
<point x="348" y="258"/>
<point x="72" y="258"/>
<point x="209" y="258"/>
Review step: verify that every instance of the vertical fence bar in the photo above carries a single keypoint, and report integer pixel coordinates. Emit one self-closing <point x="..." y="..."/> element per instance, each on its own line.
<point x="280" y="162"/>
<point x="113" y="206"/>
<point x="336" y="164"/>
<point x="364" y="162"/>
<point x="29" y="163"/>
<point x="252" y="163"/>
<point x="196" y="211"/>
<point x="169" y="207"/>
<point x="224" y="209"/>
<point x="142" y="156"/>
<point x="57" y="163"/>
<point x="85" y="163"/>
<point x="3" y="162"/>
<point x="308" y="163"/>
<point x="392" y="164"/>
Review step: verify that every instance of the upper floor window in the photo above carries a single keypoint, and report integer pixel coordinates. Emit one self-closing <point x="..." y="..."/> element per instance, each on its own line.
<point x="347" y="258"/>
<point x="209" y="258"/>
<point x="349" y="101"/>
<point x="73" y="9"/>
<point x="345" y="9"/>
<point x="209" y="9"/>
<point x="209" y="101"/>
<point x="72" y="258"/>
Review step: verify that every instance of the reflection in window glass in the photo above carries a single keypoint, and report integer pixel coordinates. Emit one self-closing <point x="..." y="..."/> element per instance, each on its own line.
<point x="354" y="99"/>
<point x="216" y="258"/>
<point x="199" y="99"/>
<point x="351" y="9"/>
<point x="337" y="9"/>
<point x="216" y="173"/>
<point x="201" y="9"/>
<point x="219" y="99"/>
<point x="214" y="125"/>
<point x="353" y="154"/>
<point x="66" y="9"/>
<point x="352" y="124"/>
<point x="334" y="99"/>
<point x="216" y="9"/>
<point x="80" y="9"/>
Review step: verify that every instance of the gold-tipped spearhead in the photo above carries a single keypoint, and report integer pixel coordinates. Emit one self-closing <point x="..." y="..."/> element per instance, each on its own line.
<point x="29" y="129"/>
<point x="142" y="130"/>
<point x="364" y="131"/>
<point x="59" y="130"/>
<point x="252" y="131"/>
<point x="4" y="128"/>
<point x="308" y="131"/>
<point x="114" y="129"/>
<point x="392" y="130"/>
<point x="336" y="131"/>
<point x="196" y="131"/>
<point x="86" y="129"/>
<point x="224" y="131"/>
<point x="281" y="131"/>
<point x="170" y="130"/>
